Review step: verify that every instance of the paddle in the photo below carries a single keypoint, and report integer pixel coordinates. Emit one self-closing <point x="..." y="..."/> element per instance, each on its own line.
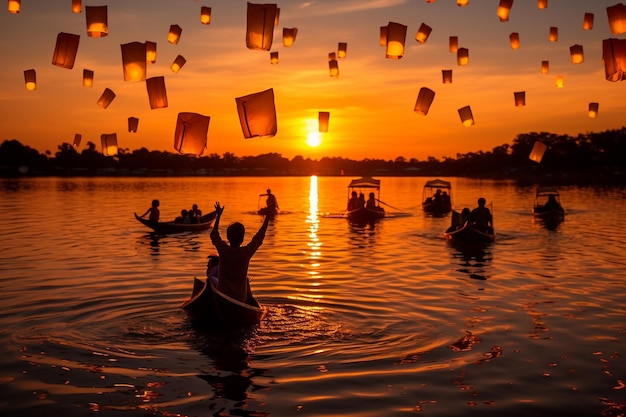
<point x="388" y="205"/>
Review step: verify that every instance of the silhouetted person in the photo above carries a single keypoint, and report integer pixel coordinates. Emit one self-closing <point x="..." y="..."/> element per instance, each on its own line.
<point x="552" y="204"/>
<point x="353" y="202"/>
<point x="271" y="201"/>
<point x="371" y="202"/>
<point x="480" y="217"/>
<point x="154" y="212"/>
<point x="183" y="218"/>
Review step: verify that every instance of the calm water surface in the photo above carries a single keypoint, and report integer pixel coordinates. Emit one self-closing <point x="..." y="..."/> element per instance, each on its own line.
<point x="383" y="319"/>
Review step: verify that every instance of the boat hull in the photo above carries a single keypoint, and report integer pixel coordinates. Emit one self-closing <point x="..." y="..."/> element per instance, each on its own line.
<point x="173" y="227"/>
<point x="469" y="234"/>
<point x="365" y="215"/>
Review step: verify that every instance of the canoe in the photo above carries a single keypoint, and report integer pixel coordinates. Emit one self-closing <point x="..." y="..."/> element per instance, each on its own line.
<point x="359" y="212"/>
<point x="208" y="305"/>
<point x="441" y="205"/>
<point x="547" y="204"/>
<point x="365" y="215"/>
<point x="466" y="232"/>
<point x="173" y="227"/>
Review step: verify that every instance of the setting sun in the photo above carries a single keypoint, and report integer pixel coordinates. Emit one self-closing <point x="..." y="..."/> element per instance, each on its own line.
<point x="314" y="139"/>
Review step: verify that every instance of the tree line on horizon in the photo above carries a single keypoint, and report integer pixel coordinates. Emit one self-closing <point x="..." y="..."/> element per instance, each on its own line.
<point x="599" y="155"/>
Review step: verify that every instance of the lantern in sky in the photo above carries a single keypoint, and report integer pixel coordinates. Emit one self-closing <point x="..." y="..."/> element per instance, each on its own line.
<point x="542" y="4"/>
<point x="395" y="38"/>
<point x="97" y="21"/>
<point x="425" y="98"/>
<point x="514" y="40"/>
<point x="30" y="79"/>
<point x="554" y="34"/>
<point x="446" y="76"/>
<point x="465" y="113"/>
<point x="453" y="43"/>
<point x="205" y="15"/>
<point x="77" y="138"/>
<point x="173" y="36"/>
<point x="134" y="61"/>
<point x="133" y="123"/>
<point x="65" y="50"/>
<point x="261" y="19"/>
<point x="323" y="118"/>
<point x="536" y="154"/>
<point x="614" y="58"/>
<point x="157" y="94"/>
<point x="106" y="98"/>
<point x="383" y="36"/>
<point x="151" y="51"/>
<point x="274" y="57"/>
<point x="588" y="21"/>
<point x="332" y="55"/>
<point x="178" y="63"/>
<point x="504" y="8"/>
<point x="190" y="136"/>
<point x="109" y="144"/>
<point x="462" y="3"/>
<point x="593" y="110"/>
<point x="257" y="114"/>
<point x="519" y="98"/>
<point x="462" y="56"/>
<point x="276" y="20"/>
<point x="14" y="6"/>
<point x="289" y="36"/>
<point x="422" y="33"/>
<point x="559" y="81"/>
<point x="342" y="49"/>
<point x="333" y="68"/>
<point x="576" y="53"/>
<point x="77" y="6"/>
<point x="617" y="18"/>
<point x="87" y="78"/>
<point x="545" y="67"/>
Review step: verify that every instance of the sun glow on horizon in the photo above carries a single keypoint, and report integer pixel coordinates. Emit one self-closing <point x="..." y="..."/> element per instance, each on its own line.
<point x="314" y="139"/>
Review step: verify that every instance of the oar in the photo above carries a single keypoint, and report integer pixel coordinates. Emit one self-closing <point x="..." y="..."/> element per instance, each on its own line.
<point x="390" y="206"/>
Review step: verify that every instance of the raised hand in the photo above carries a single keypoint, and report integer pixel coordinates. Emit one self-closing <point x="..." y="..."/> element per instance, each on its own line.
<point x="219" y="209"/>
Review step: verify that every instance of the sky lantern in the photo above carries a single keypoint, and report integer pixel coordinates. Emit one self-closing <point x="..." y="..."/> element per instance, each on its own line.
<point x="342" y="49"/>
<point x="542" y="4"/>
<point x="554" y="34"/>
<point x="462" y="3"/>
<point x="261" y="19"/>
<point x="545" y="67"/>
<point x="15" y="6"/>
<point x="422" y="33"/>
<point x="274" y="57"/>
<point x="559" y="81"/>
<point x="173" y="36"/>
<point x="446" y="76"/>
<point x="77" y="6"/>
<point x="134" y="61"/>
<point x="190" y="136"/>
<point x="593" y="110"/>
<point x="394" y="40"/>
<point x="65" y="50"/>
<point x="588" y="21"/>
<point x="106" y="98"/>
<point x="519" y="98"/>
<point x="504" y="8"/>
<point x="87" y="78"/>
<point x="425" y="98"/>
<point x="323" y="118"/>
<point x="151" y="52"/>
<point x="133" y="123"/>
<point x="109" y="144"/>
<point x="332" y="55"/>
<point x="536" y="154"/>
<point x="77" y="138"/>
<point x="514" y="40"/>
<point x="178" y="63"/>
<point x="157" y="94"/>
<point x="462" y="56"/>
<point x="453" y="43"/>
<point x="205" y="15"/>
<point x="333" y="68"/>
<point x="289" y="36"/>
<point x="97" y="21"/>
<point x="576" y="53"/>
<point x="30" y="79"/>
<point x="277" y="18"/>
<point x="617" y="18"/>
<point x="467" y="118"/>
<point x="383" y="36"/>
<point x="614" y="58"/>
<point x="257" y="114"/>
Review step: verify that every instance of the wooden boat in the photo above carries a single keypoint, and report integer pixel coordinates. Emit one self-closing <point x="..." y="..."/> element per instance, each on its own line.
<point x="437" y="197"/>
<point x="174" y="227"/>
<point x="360" y="213"/>
<point x="463" y="231"/>
<point x="207" y="305"/>
<point x="547" y="204"/>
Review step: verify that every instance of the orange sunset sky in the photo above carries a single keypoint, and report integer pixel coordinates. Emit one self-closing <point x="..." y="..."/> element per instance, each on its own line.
<point x="371" y="102"/>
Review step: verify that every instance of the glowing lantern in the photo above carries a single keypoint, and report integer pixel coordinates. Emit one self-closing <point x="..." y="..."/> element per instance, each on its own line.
<point x="576" y="53"/>
<point x="394" y="40"/>
<point x="331" y="56"/>
<point x="424" y="100"/>
<point x="504" y="8"/>
<point x="423" y="32"/>
<point x="430" y="1"/>
<point x="383" y="36"/>
<point x="133" y="123"/>
<point x="157" y="94"/>
<point x="134" y="61"/>
<point x="109" y="144"/>
<point x="289" y="36"/>
<point x="614" y="58"/>
<point x="205" y="15"/>
<point x="536" y="154"/>
<point x="173" y="36"/>
<point x="554" y="34"/>
<point x="15" y="6"/>
<point x="465" y="113"/>
<point x="617" y="18"/>
<point x="77" y="138"/>
<point x="257" y="114"/>
<point x="588" y="21"/>
<point x="542" y="4"/>
<point x="97" y="21"/>
<point x="462" y="56"/>
<point x="545" y="67"/>
<point x="593" y="110"/>
<point x="342" y="49"/>
<point x="261" y="19"/>
<point x="106" y="98"/>
<point x="178" y="63"/>
<point x="559" y="81"/>
<point x="77" y="6"/>
<point x="446" y="76"/>
<point x="190" y="137"/>
<point x="333" y="68"/>
<point x="276" y="20"/>
<point x="514" y="40"/>
<point x="520" y="98"/>
<point x="323" y="118"/>
<point x="454" y="43"/>
<point x="87" y="78"/>
<point x="462" y="3"/>
<point x="65" y="50"/>
<point x="30" y="79"/>
<point x="273" y="57"/>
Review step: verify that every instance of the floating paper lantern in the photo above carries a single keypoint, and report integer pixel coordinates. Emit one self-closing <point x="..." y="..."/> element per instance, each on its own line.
<point x="65" y="50"/>
<point x="109" y="144"/>
<point x="333" y="68"/>
<point x="559" y="81"/>
<point x="261" y="19"/>
<point x="134" y="61"/>
<point x="545" y="67"/>
<point x="133" y="123"/>
<point x="554" y="34"/>
<point x="394" y="40"/>
<point x="342" y="49"/>
<point x="273" y="57"/>
<point x="173" y="36"/>
<point x="257" y="114"/>
<point x="465" y="113"/>
<point x="593" y="110"/>
<point x="87" y="78"/>
<point x="536" y="154"/>
<point x="422" y="33"/>
<point x="190" y="136"/>
<point x="323" y="118"/>
<point x="77" y="6"/>
<point x="462" y="3"/>
<point x="332" y="55"/>
<point x="178" y="63"/>
<point x="519" y="98"/>
<point x="446" y="76"/>
<point x="106" y="98"/>
<point x="504" y="8"/>
<point x="542" y="4"/>
<point x="205" y="15"/>
<point x="151" y="52"/>
<point x="588" y="21"/>
<point x="576" y="53"/>
<point x="277" y="19"/>
<point x="462" y="56"/>
<point x="453" y="43"/>
<point x="614" y="58"/>
<point x="383" y="36"/>
<point x="617" y="18"/>
<point x="30" y="79"/>
<point x="289" y="36"/>
<point x="430" y="1"/>
<point x="425" y="98"/>
<point x="157" y="94"/>
<point x="77" y="138"/>
<point x="514" y="40"/>
<point x="97" y="21"/>
<point x="14" y="6"/>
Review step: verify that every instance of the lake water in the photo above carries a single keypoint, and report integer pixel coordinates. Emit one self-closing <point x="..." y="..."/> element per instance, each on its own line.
<point x="386" y="319"/>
